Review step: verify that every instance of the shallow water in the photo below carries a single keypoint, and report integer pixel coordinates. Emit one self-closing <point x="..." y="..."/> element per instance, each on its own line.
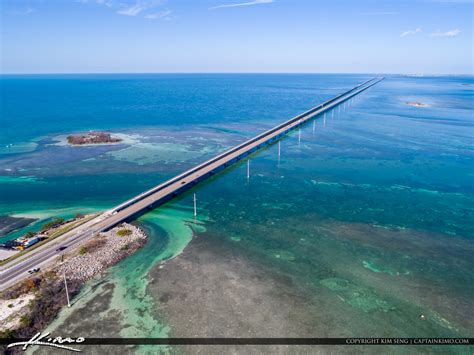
<point x="168" y="122"/>
<point x="370" y="210"/>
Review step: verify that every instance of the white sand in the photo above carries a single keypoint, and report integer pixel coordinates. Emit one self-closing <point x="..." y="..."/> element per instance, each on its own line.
<point x="10" y="316"/>
<point x="6" y="253"/>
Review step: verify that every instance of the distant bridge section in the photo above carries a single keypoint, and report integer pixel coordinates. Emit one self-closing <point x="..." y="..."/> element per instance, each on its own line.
<point x="173" y="187"/>
<point x="17" y="270"/>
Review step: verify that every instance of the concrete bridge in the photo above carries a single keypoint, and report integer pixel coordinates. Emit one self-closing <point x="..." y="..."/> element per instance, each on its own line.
<point x="16" y="270"/>
<point x="175" y="186"/>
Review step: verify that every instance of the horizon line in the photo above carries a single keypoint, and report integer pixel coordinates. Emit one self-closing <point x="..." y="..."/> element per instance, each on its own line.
<point x="229" y="72"/>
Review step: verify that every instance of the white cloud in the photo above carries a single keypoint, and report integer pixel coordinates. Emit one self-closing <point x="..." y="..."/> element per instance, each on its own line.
<point x="255" y="2"/>
<point x="107" y="3"/>
<point x="132" y="10"/>
<point x="143" y="8"/>
<point x="158" y="15"/>
<point x="410" y="32"/>
<point x="451" y="33"/>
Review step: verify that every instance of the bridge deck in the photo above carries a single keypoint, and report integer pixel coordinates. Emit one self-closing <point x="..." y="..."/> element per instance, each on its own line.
<point x="16" y="270"/>
<point x="174" y="186"/>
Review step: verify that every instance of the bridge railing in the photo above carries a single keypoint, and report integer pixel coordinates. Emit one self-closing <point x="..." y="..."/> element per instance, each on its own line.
<point x="240" y="146"/>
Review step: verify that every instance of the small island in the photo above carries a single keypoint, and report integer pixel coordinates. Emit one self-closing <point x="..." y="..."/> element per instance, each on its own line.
<point x="92" y="137"/>
<point x="417" y="104"/>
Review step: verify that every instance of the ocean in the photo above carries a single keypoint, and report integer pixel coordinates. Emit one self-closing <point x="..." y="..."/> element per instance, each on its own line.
<point x="367" y="215"/>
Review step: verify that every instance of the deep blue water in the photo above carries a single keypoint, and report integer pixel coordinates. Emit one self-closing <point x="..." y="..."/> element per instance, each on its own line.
<point x="374" y="205"/>
<point x="35" y="110"/>
<point x="427" y="148"/>
<point x="35" y="106"/>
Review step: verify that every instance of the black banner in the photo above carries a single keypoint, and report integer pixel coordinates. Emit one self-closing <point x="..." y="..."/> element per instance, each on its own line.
<point x="265" y="341"/>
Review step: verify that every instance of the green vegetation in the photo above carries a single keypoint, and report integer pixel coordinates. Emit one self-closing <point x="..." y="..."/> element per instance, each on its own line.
<point x="29" y="285"/>
<point x="92" y="138"/>
<point x="65" y="229"/>
<point x="10" y="305"/>
<point x="6" y="334"/>
<point x="30" y="234"/>
<point x="25" y="320"/>
<point x="50" y="297"/>
<point x="125" y="247"/>
<point x="124" y="232"/>
<point x="56" y="234"/>
<point x="54" y="223"/>
<point x="91" y="245"/>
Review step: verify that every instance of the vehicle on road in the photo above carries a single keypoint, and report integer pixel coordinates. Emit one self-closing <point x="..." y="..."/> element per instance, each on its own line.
<point x="33" y="271"/>
<point x="61" y="248"/>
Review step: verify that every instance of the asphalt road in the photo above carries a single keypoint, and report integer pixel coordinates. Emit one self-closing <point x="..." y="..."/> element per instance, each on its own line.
<point x="19" y="271"/>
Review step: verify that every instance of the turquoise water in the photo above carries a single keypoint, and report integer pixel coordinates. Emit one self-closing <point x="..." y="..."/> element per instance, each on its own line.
<point x="371" y="209"/>
<point x="169" y="122"/>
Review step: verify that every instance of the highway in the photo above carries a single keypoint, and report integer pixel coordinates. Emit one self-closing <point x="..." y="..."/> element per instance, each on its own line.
<point x="158" y="195"/>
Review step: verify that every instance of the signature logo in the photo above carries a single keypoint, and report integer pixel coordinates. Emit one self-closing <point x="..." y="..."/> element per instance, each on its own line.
<point x="46" y="340"/>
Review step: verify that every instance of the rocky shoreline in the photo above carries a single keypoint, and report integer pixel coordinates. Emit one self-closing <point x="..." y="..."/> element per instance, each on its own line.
<point x="30" y="306"/>
<point x="99" y="254"/>
<point x="92" y="138"/>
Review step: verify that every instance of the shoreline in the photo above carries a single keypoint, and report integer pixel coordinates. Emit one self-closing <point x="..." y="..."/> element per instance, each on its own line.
<point x="55" y="227"/>
<point x="125" y="139"/>
<point x="10" y="223"/>
<point x="118" y="303"/>
<point x="92" y="137"/>
<point x="28" y="307"/>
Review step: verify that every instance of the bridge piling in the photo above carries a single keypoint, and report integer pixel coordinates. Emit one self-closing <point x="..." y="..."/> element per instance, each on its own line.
<point x="173" y="187"/>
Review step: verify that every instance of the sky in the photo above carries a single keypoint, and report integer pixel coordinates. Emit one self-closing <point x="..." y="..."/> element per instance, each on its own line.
<point x="289" y="36"/>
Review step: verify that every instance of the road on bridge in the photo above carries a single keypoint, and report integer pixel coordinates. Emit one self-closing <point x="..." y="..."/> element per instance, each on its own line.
<point x="16" y="271"/>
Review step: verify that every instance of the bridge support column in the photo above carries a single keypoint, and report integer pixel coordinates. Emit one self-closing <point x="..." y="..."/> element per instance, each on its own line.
<point x="279" y="150"/>
<point x="67" y="292"/>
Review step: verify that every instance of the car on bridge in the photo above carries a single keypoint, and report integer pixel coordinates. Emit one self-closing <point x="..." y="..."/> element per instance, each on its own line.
<point x="34" y="271"/>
